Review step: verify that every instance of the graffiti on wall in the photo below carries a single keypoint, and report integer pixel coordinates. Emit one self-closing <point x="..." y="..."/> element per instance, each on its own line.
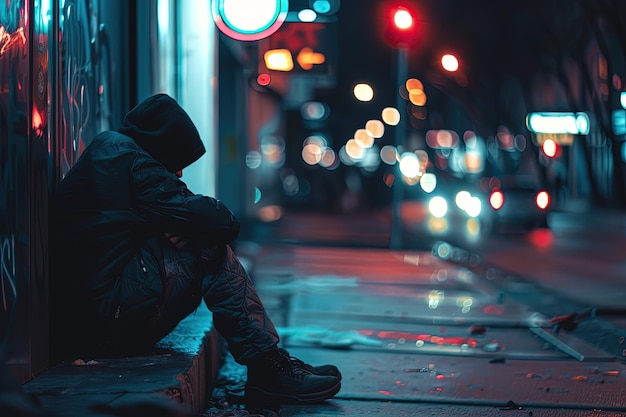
<point x="78" y="79"/>
<point x="14" y="223"/>
<point x="8" y="287"/>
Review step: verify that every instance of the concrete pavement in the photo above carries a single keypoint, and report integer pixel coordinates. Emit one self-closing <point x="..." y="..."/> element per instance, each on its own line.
<point x="412" y="334"/>
<point x="372" y="312"/>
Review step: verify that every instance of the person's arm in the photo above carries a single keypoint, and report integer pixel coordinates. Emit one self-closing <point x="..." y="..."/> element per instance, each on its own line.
<point x="166" y="202"/>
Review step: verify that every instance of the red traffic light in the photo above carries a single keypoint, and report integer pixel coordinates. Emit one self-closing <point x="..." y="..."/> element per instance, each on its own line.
<point x="402" y="18"/>
<point x="401" y="28"/>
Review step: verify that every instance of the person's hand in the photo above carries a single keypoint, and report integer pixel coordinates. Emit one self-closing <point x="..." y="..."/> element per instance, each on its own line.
<point x="177" y="240"/>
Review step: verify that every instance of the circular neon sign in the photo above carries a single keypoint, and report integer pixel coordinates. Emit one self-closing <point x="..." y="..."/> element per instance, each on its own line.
<point x="249" y="20"/>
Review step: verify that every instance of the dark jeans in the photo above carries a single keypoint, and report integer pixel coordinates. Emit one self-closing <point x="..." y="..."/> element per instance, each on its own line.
<point x="217" y="276"/>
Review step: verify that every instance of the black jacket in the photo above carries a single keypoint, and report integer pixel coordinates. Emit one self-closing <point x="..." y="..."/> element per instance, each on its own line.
<point x="121" y="193"/>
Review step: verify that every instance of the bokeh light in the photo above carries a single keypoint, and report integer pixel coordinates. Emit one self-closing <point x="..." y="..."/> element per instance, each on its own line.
<point x="318" y="140"/>
<point x="410" y="165"/>
<point x="389" y="155"/>
<point x="543" y="199"/>
<point x="438" y="206"/>
<point x="413" y="85"/>
<point x="462" y="199"/>
<point x="474" y="206"/>
<point x="253" y="159"/>
<point x="375" y="128"/>
<point x="314" y="110"/>
<point x="272" y="148"/>
<point x="549" y="147"/>
<point x="307" y="15"/>
<point x="391" y="116"/>
<point x="428" y="182"/>
<point x="403" y="19"/>
<point x="449" y="63"/>
<point x="363" y="92"/>
<point x="496" y="199"/>
<point x="417" y="97"/>
<point x="263" y="79"/>
<point x="278" y="60"/>
<point x="270" y="213"/>
<point x="363" y="139"/>
<point x="291" y="185"/>
<point x="354" y="150"/>
<point x="329" y="159"/>
<point x="312" y="154"/>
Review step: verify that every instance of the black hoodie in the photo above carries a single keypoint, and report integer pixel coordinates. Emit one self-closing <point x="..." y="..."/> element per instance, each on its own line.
<point x="161" y="127"/>
<point x="122" y="192"/>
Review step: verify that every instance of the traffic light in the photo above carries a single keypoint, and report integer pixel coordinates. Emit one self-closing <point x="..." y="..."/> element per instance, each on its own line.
<point x="401" y="26"/>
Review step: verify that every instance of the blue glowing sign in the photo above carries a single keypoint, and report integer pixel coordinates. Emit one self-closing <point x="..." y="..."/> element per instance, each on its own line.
<point x="558" y="122"/>
<point x="249" y="20"/>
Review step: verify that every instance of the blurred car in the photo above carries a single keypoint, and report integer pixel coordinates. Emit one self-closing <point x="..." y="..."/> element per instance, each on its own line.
<point x="517" y="203"/>
<point x="456" y="210"/>
<point x="491" y="205"/>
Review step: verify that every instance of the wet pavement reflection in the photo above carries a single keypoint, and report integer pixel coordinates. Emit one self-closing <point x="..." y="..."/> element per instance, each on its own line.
<point x="424" y="331"/>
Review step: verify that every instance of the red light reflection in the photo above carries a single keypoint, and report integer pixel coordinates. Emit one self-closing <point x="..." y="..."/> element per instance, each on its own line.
<point x="541" y="238"/>
<point x="438" y="340"/>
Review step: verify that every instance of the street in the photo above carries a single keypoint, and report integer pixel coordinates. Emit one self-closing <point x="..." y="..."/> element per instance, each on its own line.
<point x="488" y="328"/>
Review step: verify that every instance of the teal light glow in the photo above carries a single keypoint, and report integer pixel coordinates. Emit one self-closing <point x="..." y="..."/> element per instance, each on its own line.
<point x="249" y="20"/>
<point x="558" y="122"/>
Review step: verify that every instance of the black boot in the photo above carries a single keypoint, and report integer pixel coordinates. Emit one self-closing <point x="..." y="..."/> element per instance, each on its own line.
<point x="275" y="378"/>
<point x="324" y="370"/>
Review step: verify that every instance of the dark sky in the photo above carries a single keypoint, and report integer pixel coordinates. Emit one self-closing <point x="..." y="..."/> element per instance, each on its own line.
<point x="362" y="57"/>
<point x="484" y="34"/>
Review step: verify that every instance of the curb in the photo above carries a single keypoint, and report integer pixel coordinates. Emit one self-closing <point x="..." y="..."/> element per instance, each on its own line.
<point x="179" y="376"/>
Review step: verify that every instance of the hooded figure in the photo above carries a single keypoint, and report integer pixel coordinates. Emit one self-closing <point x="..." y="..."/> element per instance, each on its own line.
<point x="110" y="214"/>
<point x="133" y="251"/>
<point x="163" y="129"/>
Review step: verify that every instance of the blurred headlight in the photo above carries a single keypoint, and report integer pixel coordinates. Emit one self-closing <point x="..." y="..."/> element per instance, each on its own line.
<point x="473" y="207"/>
<point x="438" y="206"/>
<point x="462" y="198"/>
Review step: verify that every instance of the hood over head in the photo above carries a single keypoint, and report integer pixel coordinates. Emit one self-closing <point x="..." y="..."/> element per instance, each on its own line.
<point x="163" y="129"/>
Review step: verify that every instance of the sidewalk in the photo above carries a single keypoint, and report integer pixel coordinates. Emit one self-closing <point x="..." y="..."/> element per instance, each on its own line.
<point x="358" y="308"/>
<point x="413" y="335"/>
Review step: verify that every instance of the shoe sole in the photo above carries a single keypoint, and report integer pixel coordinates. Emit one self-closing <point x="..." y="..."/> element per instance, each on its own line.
<point x="255" y="396"/>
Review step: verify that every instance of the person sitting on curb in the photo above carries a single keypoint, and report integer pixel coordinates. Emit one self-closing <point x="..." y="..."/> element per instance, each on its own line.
<point x="134" y="251"/>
